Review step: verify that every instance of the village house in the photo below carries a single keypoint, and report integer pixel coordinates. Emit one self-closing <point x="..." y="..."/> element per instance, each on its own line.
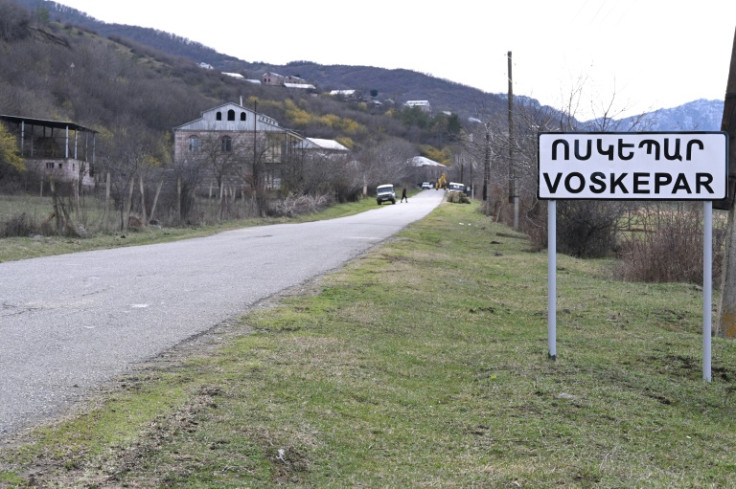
<point x="271" y="78"/>
<point x="274" y="79"/>
<point x="422" y="105"/>
<point x="348" y="95"/>
<point x="225" y="142"/>
<point x="58" y="150"/>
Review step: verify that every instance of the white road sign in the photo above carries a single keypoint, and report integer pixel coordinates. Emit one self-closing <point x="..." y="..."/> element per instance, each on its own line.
<point x="633" y="166"/>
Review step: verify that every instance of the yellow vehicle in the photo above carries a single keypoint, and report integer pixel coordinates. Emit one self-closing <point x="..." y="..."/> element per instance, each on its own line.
<point x="442" y="181"/>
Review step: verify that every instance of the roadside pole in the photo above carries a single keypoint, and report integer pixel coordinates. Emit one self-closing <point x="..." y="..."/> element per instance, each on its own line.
<point x="707" y="286"/>
<point x="552" y="279"/>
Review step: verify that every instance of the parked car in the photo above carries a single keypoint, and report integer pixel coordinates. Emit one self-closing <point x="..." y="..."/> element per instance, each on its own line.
<point x="457" y="187"/>
<point x="385" y="193"/>
<point x="426" y="185"/>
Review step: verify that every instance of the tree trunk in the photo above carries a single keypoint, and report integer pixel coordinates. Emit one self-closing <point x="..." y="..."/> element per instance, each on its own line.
<point x="106" y="210"/>
<point x="144" y="220"/>
<point x="155" y="199"/>
<point x="57" y="207"/>
<point x="178" y="200"/>
<point x="727" y="309"/>
<point x="221" y="202"/>
<point x="129" y="203"/>
<point x="77" y="201"/>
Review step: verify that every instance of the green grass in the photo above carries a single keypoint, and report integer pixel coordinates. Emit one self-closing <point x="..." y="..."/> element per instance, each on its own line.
<point x="422" y="364"/>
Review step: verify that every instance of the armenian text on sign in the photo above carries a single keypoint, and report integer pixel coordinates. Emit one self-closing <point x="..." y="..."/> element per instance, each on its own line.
<point x="633" y="166"/>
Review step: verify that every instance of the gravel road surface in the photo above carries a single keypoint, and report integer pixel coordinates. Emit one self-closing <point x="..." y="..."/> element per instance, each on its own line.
<point x="70" y="323"/>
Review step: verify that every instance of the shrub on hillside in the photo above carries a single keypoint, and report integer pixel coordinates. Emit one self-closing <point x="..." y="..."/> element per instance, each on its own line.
<point x="588" y="229"/>
<point x="296" y="205"/>
<point x="672" y="252"/>
<point x="20" y="225"/>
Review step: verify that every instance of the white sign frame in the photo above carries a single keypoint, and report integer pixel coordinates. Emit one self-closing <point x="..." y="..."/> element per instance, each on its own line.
<point x="633" y="166"/>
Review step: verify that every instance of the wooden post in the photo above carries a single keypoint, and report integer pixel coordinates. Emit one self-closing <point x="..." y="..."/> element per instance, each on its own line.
<point x="106" y="212"/>
<point x="178" y="199"/>
<point x="155" y="199"/>
<point x="128" y="204"/>
<point x="143" y="199"/>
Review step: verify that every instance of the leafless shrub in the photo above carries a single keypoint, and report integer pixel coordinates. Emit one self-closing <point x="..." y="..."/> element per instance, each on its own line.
<point x="588" y="229"/>
<point x="456" y="197"/>
<point x="14" y="21"/>
<point x="296" y="205"/>
<point x="19" y="226"/>
<point x="671" y="250"/>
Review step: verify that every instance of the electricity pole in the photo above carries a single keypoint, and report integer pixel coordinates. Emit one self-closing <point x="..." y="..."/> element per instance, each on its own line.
<point x="487" y="168"/>
<point x="513" y="191"/>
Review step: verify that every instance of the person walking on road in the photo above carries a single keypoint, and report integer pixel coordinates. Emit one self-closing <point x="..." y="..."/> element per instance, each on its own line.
<point x="403" y="195"/>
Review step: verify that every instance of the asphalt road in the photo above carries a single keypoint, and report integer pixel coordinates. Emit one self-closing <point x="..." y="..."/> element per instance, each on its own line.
<point x="70" y="323"/>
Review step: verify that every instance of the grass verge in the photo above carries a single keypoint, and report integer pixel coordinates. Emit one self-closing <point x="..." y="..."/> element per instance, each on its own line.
<point x="421" y="364"/>
<point x="18" y="248"/>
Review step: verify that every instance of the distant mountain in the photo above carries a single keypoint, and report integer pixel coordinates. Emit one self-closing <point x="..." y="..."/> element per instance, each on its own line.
<point x="700" y="115"/>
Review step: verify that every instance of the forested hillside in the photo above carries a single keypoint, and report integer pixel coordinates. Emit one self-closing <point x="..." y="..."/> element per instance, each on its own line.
<point x="133" y="95"/>
<point x="399" y="85"/>
<point x="117" y="86"/>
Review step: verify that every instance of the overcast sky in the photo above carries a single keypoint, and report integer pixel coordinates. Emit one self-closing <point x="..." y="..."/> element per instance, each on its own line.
<point x="639" y="54"/>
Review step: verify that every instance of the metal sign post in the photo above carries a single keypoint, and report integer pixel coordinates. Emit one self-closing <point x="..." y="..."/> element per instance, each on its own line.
<point x="552" y="278"/>
<point x="633" y="166"/>
<point x="707" y="286"/>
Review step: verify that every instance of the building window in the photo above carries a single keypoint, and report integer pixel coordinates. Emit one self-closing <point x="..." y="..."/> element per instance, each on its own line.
<point x="193" y="144"/>
<point x="231" y="115"/>
<point x="49" y="165"/>
<point x="242" y="116"/>
<point x="227" y="144"/>
<point x="218" y="116"/>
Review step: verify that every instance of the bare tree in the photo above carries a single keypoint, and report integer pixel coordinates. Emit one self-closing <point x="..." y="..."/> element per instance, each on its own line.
<point x="14" y="21"/>
<point x="384" y="161"/>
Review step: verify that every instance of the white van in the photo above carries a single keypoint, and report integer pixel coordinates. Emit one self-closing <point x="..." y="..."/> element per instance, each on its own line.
<point x="385" y="193"/>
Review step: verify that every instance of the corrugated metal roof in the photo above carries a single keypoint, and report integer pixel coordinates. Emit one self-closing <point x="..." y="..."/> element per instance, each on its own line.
<point x="45" y="122"/>
<point x="207" y="122"/>
<point x="422" y="161"/>
<point x="326" y="144"/>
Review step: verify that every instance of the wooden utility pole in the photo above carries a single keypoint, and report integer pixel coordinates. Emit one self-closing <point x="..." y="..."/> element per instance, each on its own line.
<point x="727" y="310"/>
<point x="487" y="168"/>
<point x="513" y="190"/>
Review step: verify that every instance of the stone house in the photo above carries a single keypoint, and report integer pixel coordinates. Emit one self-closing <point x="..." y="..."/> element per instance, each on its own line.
<point x="271" y="78"/>
<point x="225" y="141"/>
<point x="422" y="105"/>
<point x="58" y="150"/>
